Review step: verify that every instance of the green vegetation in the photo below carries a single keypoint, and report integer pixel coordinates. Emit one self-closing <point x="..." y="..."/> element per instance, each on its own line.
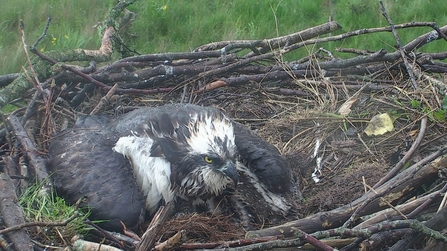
<point x="172" y="26"/>
<point x="437" y="115"/>
<point x="42" y="206"/>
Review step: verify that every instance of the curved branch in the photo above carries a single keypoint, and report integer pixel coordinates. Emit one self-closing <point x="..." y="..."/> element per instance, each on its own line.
<point x="407" y="156"/>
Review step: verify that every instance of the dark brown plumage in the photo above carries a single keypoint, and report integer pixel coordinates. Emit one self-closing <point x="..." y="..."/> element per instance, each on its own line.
<point x="90" y="168"/>
<point x="84" y="163"/>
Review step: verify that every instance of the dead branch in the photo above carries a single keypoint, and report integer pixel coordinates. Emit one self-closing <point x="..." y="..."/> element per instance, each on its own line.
<point x="399" y="46"/>
<point x="381" y="240"/>
<point x="312" y="240"/>
<point x="8" y="78"/>
<point x="173" y="242"/>
<point x="35" y="80"/>
<point x="39" y="224"/>
<point x="385" y="226"/>
<point x="406" y="208"/>
<point x="148" y="240"/>
<point x="37" y="162"/>
<point x="12" y="215"/>
<point x="403" y="178"/>
<point x="407" y="156"/>
<point x="83" y="245"/>
<point x="237" y="243"/>
<point x="273" y="43"/>
<point x="104" y="100"/>
<point x="437" y="223"/>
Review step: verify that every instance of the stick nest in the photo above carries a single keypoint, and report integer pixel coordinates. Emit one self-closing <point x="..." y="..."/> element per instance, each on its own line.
<point x="314" y="110"/>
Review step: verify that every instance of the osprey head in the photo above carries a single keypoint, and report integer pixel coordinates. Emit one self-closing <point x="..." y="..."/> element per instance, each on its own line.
<point x="208" y="165"/>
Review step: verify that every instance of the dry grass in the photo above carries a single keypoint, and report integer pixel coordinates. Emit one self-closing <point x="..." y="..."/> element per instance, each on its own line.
<point x="203" y="228"/>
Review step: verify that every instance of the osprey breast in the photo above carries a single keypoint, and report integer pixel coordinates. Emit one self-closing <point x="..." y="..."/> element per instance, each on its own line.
<point x="152" y="173"/>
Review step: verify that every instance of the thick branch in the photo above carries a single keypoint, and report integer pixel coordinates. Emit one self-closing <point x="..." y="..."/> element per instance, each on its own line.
<point x="37" y="162"/>
<point x="12" y="214"/>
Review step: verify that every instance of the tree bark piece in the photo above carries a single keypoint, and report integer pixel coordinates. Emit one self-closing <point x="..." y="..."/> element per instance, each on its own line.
<point x="12" y="214"/>
<point x="37" y="162"/>
<point x="148" y="240"/>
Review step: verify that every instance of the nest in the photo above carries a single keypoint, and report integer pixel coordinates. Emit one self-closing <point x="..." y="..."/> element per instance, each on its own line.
<point x="313" y="110"/>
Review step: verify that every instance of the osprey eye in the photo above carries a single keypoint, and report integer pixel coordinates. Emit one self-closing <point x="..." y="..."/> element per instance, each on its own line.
<point x="208" y="160"/>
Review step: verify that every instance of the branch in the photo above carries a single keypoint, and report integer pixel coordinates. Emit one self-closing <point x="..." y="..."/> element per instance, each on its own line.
<point x="399" y="46"/>
<point x="236" y="243"/>
<point x="36" y="81"/>
<point x="273" y="43"/>
<point x="380" y="227"/>
<point x="37" y="162"/>
<point x="154" y="228"/>
<point x="407" y="156"/>
<point x="12" y="215"/>
<point x="40" y="224"/>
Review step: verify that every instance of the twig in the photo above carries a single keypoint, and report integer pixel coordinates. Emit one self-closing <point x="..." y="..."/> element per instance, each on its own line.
<point x="380" y="227"/>
<point x="407" y="156"/>
<point x="437" y="222"/>
<point x="272" y="43"/>
<point x="35" y="160"/>
<point x="40" y="224"/>
<point x="8" y="78"/>
<point x="173" y="242"/>
<point x="345" y="215"/>
<point x="416" y="43"/>
<point x="44" y="34"/>
<point x="104" y="100"/>
<point x="275" y="43"/>
<point x="82" y="245"/>
<point x="354" y="50"/>
<point x="312" y="240"/>
<point x="384" y="200"/>
<point x="12" y="215"/>
<point x="148" y="239"/>
<point x="443" y="202"/>
<point x="390" y="213"/>
<point x="99" y="83"/>
<point x="108" y="235"/>
<point x="345" y="232"/>
<point x="236" y="243"/>
<point x="427" y="202"/>
<point x="399" y="46"/>
<point x="36" y="81"/>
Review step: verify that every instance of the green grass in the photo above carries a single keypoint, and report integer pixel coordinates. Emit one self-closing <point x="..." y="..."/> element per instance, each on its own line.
<point x="176" y="26"/>
<point x="41" y="206"/>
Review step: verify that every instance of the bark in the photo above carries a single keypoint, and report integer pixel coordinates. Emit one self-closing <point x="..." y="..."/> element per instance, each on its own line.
<point x="37" y="162"/>
<point x="12" y="215"/>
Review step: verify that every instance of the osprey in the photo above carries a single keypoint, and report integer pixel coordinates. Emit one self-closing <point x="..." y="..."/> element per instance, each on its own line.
<point x="126" y="164"/>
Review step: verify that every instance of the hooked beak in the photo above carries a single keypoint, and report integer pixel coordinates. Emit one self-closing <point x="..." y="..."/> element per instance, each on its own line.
<point x="230" y="170"/>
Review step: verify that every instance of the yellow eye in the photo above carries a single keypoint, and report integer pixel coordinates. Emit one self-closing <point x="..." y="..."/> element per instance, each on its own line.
<point x="208" y="160"/>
